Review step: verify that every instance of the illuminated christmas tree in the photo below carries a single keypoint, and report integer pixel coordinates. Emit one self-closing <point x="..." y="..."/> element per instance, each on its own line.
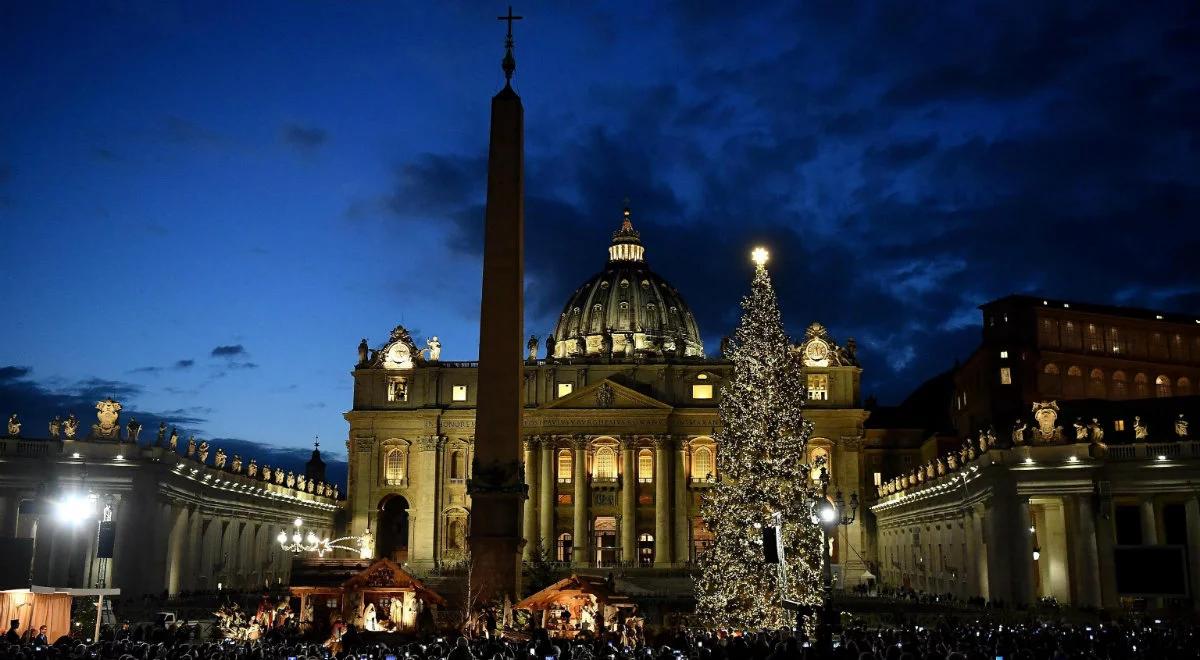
<point x="762" y="478"/>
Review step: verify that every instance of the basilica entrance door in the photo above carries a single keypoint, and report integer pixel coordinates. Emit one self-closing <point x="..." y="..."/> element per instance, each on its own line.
<point x="393" y="529"/>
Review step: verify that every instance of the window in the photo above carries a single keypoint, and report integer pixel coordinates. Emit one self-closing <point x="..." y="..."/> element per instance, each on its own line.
<point x="1120" y="388"/>
<point x="646" y="549"/>
<point x="1114" y="341"/>
<point x="1074" y="383"/>
<point x="1095" y="387"/>
<point x="1118" y="425"/>
<point x="397" y="389"/>
<point x="702" y="464"/>
<point x="702" y="391"/>
<point x="1093" y="338"/>
<point x="393" y="466"/>
<point x="565" y="389"/>
<point x="454" y="534"/>
<point x="818" y="387"/>
<point x="1162" y="386"/>
<point x="564" y="466"/>
<point x="564" y="547"/>
<point x="1003" y="355"/>
<point x="1141" y="386"/>
<point x="605" y="468"/>
<point x="818" y="458"/>
<point x="1005" y="376"/>
<point x="458" y="393"/>
<point x="458" y="465"/>
<point x="1183" y="387"/>
<point x="645" y="467"/>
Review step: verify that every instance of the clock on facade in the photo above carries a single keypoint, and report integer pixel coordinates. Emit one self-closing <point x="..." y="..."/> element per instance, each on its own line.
<point x="816" y="353"/>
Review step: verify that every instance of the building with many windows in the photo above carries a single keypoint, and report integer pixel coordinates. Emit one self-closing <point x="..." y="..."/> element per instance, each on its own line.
<point x="620" y="414"/>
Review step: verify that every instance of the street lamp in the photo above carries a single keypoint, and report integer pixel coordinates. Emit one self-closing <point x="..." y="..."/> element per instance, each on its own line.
<point x="301" y="541"/>
<point x="830" y="513"/>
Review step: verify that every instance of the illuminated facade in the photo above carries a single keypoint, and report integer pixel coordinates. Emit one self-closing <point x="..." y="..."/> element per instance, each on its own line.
<point x="620" y="412"/>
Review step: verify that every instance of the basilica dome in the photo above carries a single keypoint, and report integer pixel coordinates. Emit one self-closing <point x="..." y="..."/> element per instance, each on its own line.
<point x="626" y="311"/>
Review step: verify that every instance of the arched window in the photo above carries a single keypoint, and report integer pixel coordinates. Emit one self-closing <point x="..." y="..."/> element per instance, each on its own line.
<point x="394" y="466"/>
<point x="1050" y="382"/>
<point x="645" y="469"/>
<point x="1141" y="386"/>
<point x="458" y="465"/>
<point x="1162" y="386"/>
<point x="565" y="545"/>
<point x="606" y="464"/>
<point x="1095" y="388"/>
<point x="1074" y="383"/>
<point x="1183" y="387"/>
<point x="564" y="466"/>
<point x="818" y="457"/>
<point x="455" y="534"/>
<point x="1120" y="386"/>
<point x="646" y="549"/>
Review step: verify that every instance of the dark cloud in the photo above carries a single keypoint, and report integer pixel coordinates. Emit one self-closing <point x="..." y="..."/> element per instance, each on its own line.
<point x="288" y="458"/>
<point x="229" y="351"/>
<point x="184" y="364"/>
<point x="189" y="133"/>
<point x="37" y="403"/>
<point x="14" y="373"/>
<point x="304" y="138"/>
<point x="968" y="153"/>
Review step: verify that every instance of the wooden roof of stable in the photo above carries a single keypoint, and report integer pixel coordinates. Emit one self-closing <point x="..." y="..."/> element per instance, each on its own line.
<point x="571" y="588"/>
<point x="378" y="575"/>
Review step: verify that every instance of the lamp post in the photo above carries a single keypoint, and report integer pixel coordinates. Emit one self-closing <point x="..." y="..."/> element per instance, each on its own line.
<point x="299" y="541"/>
<point x="830" y="513"/>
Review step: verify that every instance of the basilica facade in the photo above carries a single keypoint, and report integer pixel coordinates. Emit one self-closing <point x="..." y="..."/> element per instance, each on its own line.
<point x="620" y="414"/>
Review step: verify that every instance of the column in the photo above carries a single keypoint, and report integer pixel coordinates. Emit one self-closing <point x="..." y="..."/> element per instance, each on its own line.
<point x="1192" y="515"/>
<point x="529" y="522"/>
<point x="579" y="556"/>
<point x="1149" y="522"/>
<point x="1023" y="562"/>
<point x="629" y="477"/>
<point x="422" y="516"/>
<point x="1105" y="539"/>
<point x="8" y="514"/>
<point x="681" y="545"/>
<point x="1087" y="569"/>
<point x="549" y="487"/>
<point x="176" y="538"/>
<point x="662" y="501"/>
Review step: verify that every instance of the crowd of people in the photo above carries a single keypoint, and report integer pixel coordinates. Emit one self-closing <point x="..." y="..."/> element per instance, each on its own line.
<point x="948" y="639"/>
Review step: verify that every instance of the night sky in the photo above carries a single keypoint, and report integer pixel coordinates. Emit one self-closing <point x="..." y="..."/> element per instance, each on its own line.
<point x="205" y="205"/>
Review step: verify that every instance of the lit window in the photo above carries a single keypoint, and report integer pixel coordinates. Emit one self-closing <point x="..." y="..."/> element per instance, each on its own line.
<point x="702" y="391"/>
<point x="565" y="389"/>
<point x="458" y="393"/>
<point x="1162" y="386"/>
<point x="1118" y="425"/>
<point x="606" y="463"/>
<point x="565" y="545"/>
<point x="645" y="468"/>
<point x="818" y="387"/>
<point x="646" y="549"/>
<point x="397" y="389"/>
<point x="702" y="377"/>
<point x="564" y="466"/>
<point x="1005" y="376"/>
<point x="1003" y="355"/>
<point x="393" y="466"/>
<point x="702" y="464"/>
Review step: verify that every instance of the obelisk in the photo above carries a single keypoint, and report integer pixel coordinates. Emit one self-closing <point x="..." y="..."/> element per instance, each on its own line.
<point x="497" y="488"/>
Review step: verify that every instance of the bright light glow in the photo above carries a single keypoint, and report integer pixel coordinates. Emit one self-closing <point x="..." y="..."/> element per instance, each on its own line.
<point x="828" y="515"/>
<point x="75" y="508"/>
<point x="297" y="522"/>
<point x="1028" y="459"/>
<point x="120" y="457"/>
<point x="282" y="538"/>
<point x="1073" y="459"/>
<point x="760" y="256"/>
<point x="1031" y="529"/>
<point x="1162" y="458"/>
<point x="1158" y="316"/>
<point x="1037" y="554"/>
<point x="75" y="455"/>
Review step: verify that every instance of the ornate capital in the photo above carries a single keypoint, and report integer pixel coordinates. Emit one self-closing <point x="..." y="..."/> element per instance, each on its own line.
<point x="430" y="442"/>
<point x="663" y="441"/>
<point x="580" y="441"/>
<point x="628" y="442"/>
<point x="364" y="443"/>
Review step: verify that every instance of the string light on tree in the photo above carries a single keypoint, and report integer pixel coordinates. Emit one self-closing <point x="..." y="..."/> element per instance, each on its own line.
<point x="761" y="478"/>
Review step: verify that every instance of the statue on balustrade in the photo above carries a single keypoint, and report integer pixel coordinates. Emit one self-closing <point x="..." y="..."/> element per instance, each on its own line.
<point x="173" y="441"/>
<point x="362" y="352"/>
<point x="107" y="414"/>
<point x="1018" y="433"/>
<point x="252" y="469"/>
<point x="550" y="346"/>
<point x="435" y="349"/>
<point x="70" y="427"/>
<point x="202" y="451"/>
<point x="133" y="430"/>
<point x="1096" y="431"/>
<point x="219" y="460"/>
<point x="266" y="473"/>
<point x="191" y="446"/>
<point x="951" y="462"/>
<point x="1140" y="431"/>
<point x="236" y="465"/>
<point x="941" y="466"/>
<point x="531" y="348"/>
<point x="1181" y="426"/>
<point x="14" y="426"/>
<point x="280" y="477"/>
<point x="55" y="428"/>
<point x="160" y="439"/>
<point x="1081" y="432"/>
<point x="290" y="482"/>
<point x="335" y="492"/>
<point x="1046" y="416"/>
<point x="299" y="485"/>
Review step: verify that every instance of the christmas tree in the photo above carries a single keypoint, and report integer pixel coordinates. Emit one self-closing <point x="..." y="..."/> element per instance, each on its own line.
<point x="762" y="478"/>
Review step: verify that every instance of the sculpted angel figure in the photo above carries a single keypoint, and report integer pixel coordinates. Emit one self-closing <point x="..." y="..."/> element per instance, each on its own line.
<point x="266" y="473"/>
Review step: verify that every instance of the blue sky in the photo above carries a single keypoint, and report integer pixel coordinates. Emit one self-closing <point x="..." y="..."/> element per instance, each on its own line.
<point x="283" y="178"/>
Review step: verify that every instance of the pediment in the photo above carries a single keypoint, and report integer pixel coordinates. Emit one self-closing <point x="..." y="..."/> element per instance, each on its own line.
<point x="606" y="395"/>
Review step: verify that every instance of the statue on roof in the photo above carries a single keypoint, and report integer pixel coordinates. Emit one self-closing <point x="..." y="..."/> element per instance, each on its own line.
<point x="252" y="469"/>
<point x="132" y="430"/>
<point x="70" y="426"/>
<point x="362" y="352"/>
<point x="1045" y="413"/>
<point x="14" y="426"/>
<point x="219" y="460"/>
<point x="1018" y="433"/>
<point x="1095" y="430"/>
<point x="1140" y="431"/>
<point x="550" y="346"/>
<point x="202" y="451"/>
<point x="107" y="414"/>
<point x="55" y="428"/>
<point x="1181" y="426"/>
<point x="191" y="445"/>
<point x="531" y="348"/>
<point x="173" y="441"/>
<point x="162" y="434"/>
<point x="236" y="465"/>
<point x="435" y="349"/>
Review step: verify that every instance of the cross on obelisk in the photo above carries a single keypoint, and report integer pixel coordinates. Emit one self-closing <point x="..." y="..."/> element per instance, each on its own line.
<point x="496" y="486"/>
<point x="509" y="64"/>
